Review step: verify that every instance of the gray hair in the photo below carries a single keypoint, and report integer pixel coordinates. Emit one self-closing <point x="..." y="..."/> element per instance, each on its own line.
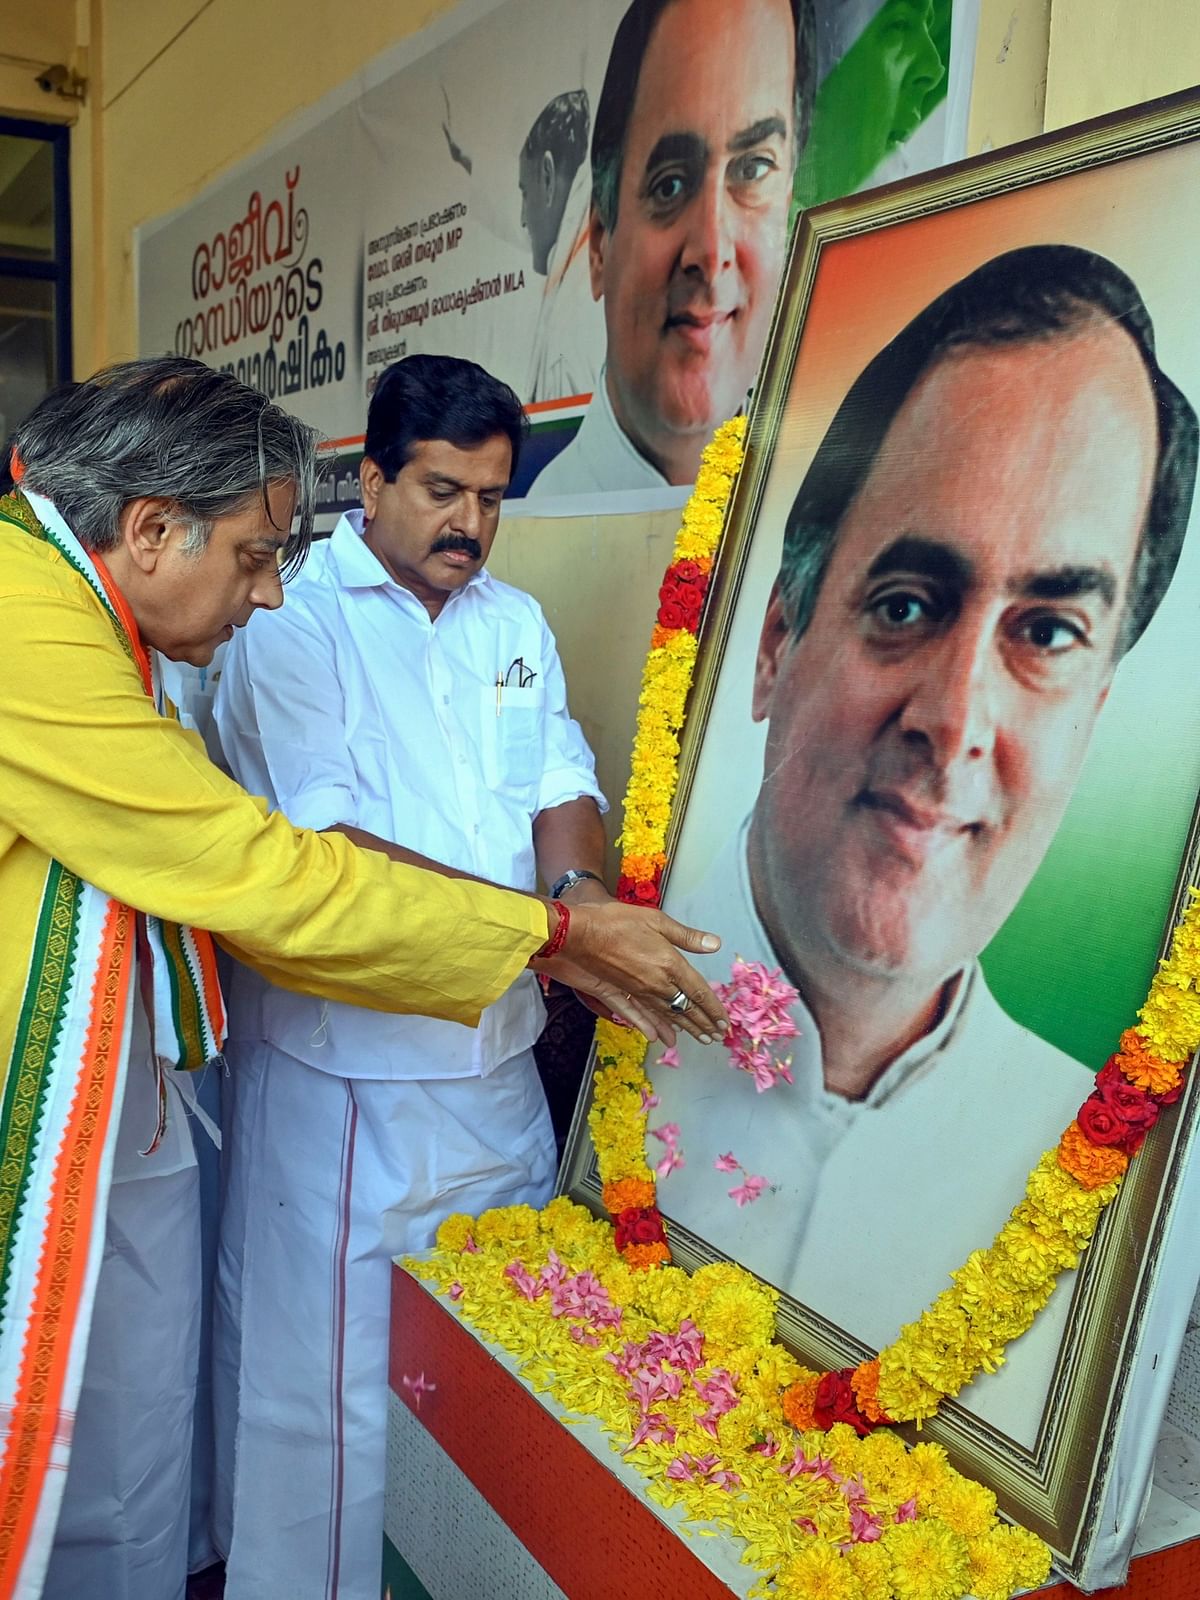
<point x="172" y="428"/>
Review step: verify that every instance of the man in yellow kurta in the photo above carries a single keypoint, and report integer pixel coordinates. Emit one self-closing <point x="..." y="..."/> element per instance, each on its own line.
<point x="155" y="501"/>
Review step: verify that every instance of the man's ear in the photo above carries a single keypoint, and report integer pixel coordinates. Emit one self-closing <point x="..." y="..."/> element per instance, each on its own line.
<point x="597" y="245"/>
<point x="773" y="644"/>
<point x="371" y="481"/>
<point x="145" y="526"/>
<point x="548" y="173"/>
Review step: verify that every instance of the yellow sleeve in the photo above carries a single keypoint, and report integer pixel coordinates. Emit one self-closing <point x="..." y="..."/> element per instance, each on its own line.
<point x="90" y="774"/>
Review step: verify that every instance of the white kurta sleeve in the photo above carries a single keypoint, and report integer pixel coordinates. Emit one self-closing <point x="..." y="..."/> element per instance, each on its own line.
<point x="281" y="718"/>
<point x="570" y="767"/>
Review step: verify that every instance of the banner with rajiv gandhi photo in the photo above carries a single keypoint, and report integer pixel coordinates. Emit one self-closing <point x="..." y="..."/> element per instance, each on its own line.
<point x="443" y="203"/>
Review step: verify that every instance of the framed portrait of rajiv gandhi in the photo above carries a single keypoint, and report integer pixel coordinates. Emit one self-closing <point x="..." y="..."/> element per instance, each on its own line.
<point x="941" y="766"/>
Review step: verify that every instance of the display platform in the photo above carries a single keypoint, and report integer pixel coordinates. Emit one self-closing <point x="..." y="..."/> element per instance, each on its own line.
<point x="504" y="1500"/>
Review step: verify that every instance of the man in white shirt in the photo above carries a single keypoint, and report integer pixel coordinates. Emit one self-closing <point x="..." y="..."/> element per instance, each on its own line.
<point x="555" y="186"/>
<point x="414" y="703"/>
<point x="988" y="525"/>
<point x="701" y="119"/>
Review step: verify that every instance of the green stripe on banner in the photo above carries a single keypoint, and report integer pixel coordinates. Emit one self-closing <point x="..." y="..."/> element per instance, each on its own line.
<point x="400" y="1582"/>
<point x="38" y="1028"/>
<point x="555" y="425"/>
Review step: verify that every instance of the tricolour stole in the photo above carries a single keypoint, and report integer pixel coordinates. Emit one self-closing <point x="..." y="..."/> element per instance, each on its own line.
<point x="62" y="1092"/>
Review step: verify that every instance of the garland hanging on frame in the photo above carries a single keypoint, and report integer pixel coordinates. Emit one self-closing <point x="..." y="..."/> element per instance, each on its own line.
<point x="788" y="1459"/>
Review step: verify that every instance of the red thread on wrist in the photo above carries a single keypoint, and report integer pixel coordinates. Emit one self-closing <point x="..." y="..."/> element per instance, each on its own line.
<point x="559" y="937"/>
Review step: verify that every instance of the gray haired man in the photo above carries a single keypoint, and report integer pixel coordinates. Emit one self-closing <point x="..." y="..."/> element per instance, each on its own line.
<point x="155" y="503"/>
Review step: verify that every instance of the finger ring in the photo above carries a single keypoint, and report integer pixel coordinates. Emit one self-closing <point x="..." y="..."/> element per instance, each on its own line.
<point x="680" y="1001"/>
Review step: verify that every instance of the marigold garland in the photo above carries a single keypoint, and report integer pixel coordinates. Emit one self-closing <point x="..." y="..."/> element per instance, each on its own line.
<point x="852" y="1514"/>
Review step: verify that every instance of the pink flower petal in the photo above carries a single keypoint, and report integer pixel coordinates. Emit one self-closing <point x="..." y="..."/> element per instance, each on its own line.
<point x="727" y="1163"/>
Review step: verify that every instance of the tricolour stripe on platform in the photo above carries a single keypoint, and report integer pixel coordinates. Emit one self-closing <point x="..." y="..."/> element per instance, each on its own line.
<point x="583" y="1527"/>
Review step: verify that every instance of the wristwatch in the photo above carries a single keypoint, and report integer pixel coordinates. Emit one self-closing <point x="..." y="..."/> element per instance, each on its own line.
<point x="569" y="879"/>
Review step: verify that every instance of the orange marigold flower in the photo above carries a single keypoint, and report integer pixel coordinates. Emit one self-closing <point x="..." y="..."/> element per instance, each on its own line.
<point x="660" y="636"/>
<point x="640" y="1256"/>
<point x="865" y="1383"/>
<point x="1143" y="1068"/>
<point x="1090" y="1164"/>
<point x="642" y="866"/>
<point x="799" y="1399"/>
<point x="627" y="1194"/>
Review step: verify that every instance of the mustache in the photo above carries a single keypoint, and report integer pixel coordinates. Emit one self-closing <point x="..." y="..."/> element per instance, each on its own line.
<point x="458" y="541"/>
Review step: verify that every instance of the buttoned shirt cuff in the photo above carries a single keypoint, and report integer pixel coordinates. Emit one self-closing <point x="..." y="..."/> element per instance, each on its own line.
<point x="319" y="809"/>
<point x="565" y="784"/>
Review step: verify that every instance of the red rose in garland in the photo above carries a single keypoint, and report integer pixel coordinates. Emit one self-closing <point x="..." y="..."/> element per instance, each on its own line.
<point x="642" y="1225"/>
<point x="835" y="1402"/>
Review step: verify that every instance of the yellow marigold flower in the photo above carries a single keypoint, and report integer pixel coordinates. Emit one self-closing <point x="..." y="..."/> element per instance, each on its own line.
<point x="712" y="484"/>
<point x="967" y="1507"/>
<point x="929" y="1561"/>
<point x="1025" y="1256"/>
<point x="454" y="1232"/>
<point x="925" y="1472"/>
<point x="902" y="1394"/>
<point x="818" y="1572"/>
<point x="508" y="1225"/>
<point x="1171" y="1020"/>
<point x="733" y="1307"/>
<point x="1090" y="1164"/>
<point x="1054" y="1198"/>
<point x="1007" y="1559"/>
<point x="1142" y="1067"/>
<point x="992" y="1571"/>
<point x="1030" y="1555"/>
<point x="872" y="1567"/>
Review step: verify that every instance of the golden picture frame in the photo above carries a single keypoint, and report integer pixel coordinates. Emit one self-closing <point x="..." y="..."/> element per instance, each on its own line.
<point x="1064" y="1432"/>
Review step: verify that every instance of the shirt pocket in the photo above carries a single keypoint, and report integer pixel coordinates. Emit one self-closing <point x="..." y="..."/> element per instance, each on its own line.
<point x="513" y="738"/>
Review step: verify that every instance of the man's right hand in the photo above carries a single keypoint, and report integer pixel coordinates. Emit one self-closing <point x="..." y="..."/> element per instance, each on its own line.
<point x="627" y="957"/>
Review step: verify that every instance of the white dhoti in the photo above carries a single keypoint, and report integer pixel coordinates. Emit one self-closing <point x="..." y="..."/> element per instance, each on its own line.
<point x="123" y="1529"/>
<point x="326" y="1179"/>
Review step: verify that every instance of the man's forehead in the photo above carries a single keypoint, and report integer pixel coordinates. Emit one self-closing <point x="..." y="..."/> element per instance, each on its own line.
<point x="1036" y="453"/>
<point x="687" y="47"/>
<point x="482" y="465"/>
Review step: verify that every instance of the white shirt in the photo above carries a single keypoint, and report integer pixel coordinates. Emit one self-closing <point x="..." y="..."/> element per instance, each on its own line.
<point x="569" y="339"/>
<point x="871" y="1203"/>
<point x="352" y="705"/>
<point x="598" y="458"/>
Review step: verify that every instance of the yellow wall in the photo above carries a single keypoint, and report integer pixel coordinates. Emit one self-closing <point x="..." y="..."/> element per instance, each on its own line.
<point x="182" y="89"/>
<point x="35" y="34"/>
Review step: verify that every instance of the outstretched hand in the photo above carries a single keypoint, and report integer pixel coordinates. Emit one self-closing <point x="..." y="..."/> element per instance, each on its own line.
<point x="627" y="960"/>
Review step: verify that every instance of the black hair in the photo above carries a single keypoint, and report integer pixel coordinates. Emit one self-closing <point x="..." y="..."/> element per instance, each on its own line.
<point x="615" y="108"/>
<point x="561" y="127"/>
<point x="439" y="397"/>
<point x="1037" y="293"/>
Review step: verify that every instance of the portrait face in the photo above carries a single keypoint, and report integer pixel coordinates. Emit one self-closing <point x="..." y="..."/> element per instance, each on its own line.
<point x="689" y="271"/>
<point x="906" y="67"/>
<point x="539" y="216"/>
<point x="926" y="730"/>
<point x="432" y="528"/>
<point x="186" y="605"/>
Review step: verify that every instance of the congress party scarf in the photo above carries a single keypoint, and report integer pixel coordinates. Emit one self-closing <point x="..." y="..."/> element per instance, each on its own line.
<point x="61" y="1097"/>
